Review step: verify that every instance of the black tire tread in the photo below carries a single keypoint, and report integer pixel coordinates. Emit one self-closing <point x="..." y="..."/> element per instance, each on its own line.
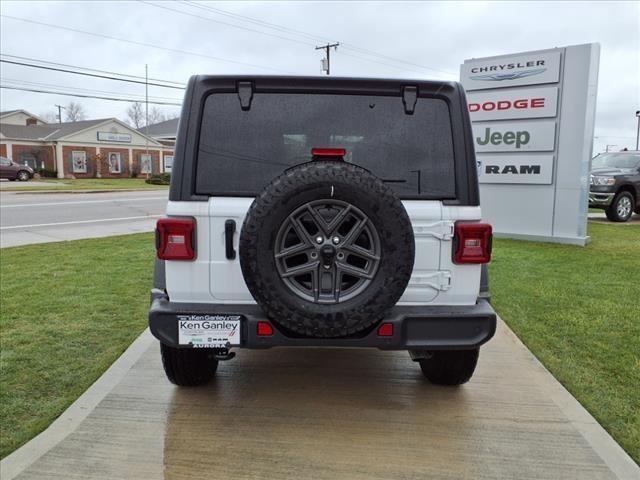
<point x="611" y="210"/>
<point x="450" y="367"/>
<point x="332" y="323"/>
<point x="188" y="367"/>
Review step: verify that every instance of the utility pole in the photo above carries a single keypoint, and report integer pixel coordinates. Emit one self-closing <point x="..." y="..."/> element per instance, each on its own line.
<point x="146" y="115"/>
<point x="146" y="105"/>
<point x="327" y="48"/>
<point x="60" y="107"/>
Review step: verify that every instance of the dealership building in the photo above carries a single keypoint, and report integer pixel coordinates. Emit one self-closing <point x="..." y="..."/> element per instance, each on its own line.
<point x="105" y="147"/>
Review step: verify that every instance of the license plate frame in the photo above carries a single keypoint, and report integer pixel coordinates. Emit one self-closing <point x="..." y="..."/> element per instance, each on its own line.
<point x="209" y="331"/>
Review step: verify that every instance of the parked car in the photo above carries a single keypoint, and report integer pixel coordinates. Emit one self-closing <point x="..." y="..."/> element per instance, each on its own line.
<point x="325" y="212"/>
<point x="14" y="171"/>
<point x="615" y="184"/>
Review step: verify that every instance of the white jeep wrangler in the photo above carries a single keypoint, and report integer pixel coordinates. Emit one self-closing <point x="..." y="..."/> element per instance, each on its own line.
<point x="322" y="212"/>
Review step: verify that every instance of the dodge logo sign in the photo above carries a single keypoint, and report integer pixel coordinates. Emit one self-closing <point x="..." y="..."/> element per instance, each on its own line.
<point x="513" y="104"/>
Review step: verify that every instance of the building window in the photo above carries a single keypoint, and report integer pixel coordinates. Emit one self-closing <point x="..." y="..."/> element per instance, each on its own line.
<point x="115" y="162"/>
<point x="30" y="160"/>
<point x="145" y="163"/>
<point x="168" y="163"/>
<point x="79" y="161"/>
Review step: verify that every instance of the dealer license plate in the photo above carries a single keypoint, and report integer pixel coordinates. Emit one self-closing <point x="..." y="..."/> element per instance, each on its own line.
<point x="209" y="331"/>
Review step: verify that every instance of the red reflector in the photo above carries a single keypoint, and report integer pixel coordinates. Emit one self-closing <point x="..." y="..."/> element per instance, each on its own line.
<point x="473" y="243"/>
<point x="385" y="330"/>
<point x="264" y="329"/>
<point x="174" y="238"/>
<point x="328" y="152"/>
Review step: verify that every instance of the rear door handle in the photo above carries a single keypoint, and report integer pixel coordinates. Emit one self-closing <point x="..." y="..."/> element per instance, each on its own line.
<point x="229" y="230"/>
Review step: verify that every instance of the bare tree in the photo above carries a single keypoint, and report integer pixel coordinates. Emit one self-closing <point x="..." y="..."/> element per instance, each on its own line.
<point x="156" y="115"/>
<point x="135" y="115"/>
<point x="49" y="117"/>
<point x="74" y="112"/>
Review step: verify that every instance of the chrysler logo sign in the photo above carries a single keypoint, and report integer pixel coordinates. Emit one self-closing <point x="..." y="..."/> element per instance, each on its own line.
<point x="497" y="77"/>
<point x="512" y="70"/>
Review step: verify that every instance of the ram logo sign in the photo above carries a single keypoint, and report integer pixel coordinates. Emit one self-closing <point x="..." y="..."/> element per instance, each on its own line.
<point x="529" y="169"/>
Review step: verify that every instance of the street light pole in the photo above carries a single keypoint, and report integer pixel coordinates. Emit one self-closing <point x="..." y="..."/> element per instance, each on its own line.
<point x="638" y="134"/>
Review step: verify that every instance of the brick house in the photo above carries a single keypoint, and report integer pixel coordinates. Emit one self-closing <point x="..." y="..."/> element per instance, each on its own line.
<point x="106" y="148"/>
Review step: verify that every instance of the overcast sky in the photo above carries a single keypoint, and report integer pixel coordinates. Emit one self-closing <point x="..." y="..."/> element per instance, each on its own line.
<point x="413" y="40"/>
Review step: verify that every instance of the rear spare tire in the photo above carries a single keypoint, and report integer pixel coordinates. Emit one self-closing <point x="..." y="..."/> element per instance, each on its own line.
<point x="326" y="249"/>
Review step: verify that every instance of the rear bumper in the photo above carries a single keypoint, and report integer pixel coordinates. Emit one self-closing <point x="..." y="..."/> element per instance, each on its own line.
<point x="414" y="328"/>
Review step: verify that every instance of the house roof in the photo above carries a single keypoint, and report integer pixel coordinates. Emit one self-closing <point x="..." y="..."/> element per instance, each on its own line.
<point x="17" y="110"/>
<point x="56" y="131"/>
<point x="168" y="128"/>
<point x="51" y="131"/>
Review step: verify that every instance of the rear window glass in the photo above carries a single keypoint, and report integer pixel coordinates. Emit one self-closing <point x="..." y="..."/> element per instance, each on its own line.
<point x="241" y="151"/>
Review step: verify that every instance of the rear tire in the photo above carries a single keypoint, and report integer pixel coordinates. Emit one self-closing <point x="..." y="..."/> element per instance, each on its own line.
<point x="23" y="175"/>
<point x="621" y="208"/>
<point x="188" y="367"/>
<point x="450" y="367"/>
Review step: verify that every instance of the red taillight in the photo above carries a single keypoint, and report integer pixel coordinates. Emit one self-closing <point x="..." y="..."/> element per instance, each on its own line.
<point x="385" y="330"/>
<point x="472" y="243"/>
<point x="175" y="238"/>
<point x="264" y="329"/>
<point x="328" y="152"/>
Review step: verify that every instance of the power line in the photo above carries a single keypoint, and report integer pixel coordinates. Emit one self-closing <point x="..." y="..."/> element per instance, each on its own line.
<point x="312" y="37"/>
<point x="255" y="21"/>
<point x="84" y="96"/>
<point x="143" y="44"/>
<point x="24" y="64"/>
<point x="180" y="84"/>
<point x="19" y="82"/>
<point x="182" y="12"/>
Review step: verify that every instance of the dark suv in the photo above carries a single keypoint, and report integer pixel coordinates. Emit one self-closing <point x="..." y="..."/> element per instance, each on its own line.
<point x="325" y="212"/>
<point x="615" y="184"/>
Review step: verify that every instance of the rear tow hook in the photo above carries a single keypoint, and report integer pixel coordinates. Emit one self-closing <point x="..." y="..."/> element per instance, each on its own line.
<point x="223" y="354"/>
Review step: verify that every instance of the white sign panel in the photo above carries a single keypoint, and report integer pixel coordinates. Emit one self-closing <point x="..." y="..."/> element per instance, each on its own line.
<point x="515" y="136"/>
<point x="512" y="104"/>
<point x="526" y="169"/>
<point x="114" y="137"/>
<point x="510" y="71"/>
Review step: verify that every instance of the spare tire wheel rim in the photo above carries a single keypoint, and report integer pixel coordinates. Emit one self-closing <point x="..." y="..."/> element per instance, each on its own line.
<point x="327" y="251"/>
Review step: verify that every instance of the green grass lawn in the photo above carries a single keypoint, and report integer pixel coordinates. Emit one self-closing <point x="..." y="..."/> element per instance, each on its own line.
<point x="67" y="311"/>
<point x="84" y="184"/>
<point x="578" y="311"/>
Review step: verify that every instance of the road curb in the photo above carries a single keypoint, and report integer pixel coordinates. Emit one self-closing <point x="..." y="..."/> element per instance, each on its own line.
<point x="613" y="455"/>
<point x="115" y="190"/>
<point x="30" y="452"/>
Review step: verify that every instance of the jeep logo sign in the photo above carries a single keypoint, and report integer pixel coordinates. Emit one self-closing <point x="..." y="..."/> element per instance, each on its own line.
<point x="511" y="71"/>
<point x="515" y="137"/>
<point x="513" y="104"/>
<point x="532" y="169"/>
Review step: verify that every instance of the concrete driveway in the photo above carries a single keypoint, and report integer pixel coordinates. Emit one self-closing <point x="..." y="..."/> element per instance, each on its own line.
<point x="325" y="414"/>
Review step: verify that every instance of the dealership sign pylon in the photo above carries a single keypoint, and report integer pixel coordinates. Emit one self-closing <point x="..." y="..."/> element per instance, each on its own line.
<point x="533" y="116"/>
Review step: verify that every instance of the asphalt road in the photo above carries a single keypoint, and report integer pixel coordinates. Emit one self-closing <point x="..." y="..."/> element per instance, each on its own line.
<point x="27" y="218"/>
